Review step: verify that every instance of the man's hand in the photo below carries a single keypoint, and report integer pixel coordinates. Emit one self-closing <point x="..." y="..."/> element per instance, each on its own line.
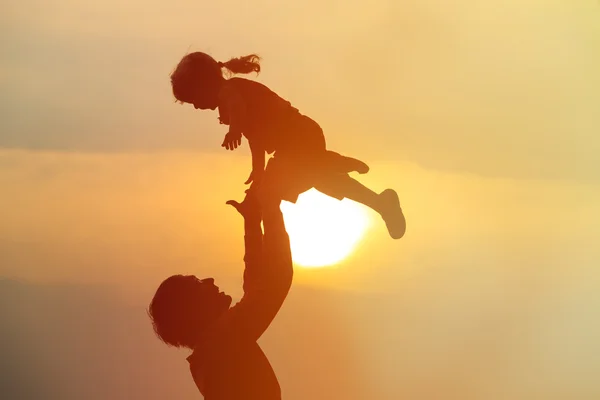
<point x="249" y="208"/>
<point x="232" y="140"/>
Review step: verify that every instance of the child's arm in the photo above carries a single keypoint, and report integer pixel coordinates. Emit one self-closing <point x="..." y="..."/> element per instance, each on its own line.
<point x="233" y="103"/>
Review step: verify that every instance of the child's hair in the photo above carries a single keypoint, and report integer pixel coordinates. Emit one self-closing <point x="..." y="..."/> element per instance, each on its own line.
<point x="242" y="65"/>
<point x="201" y="68"/>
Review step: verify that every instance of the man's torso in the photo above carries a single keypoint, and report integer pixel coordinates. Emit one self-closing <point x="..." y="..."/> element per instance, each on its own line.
<point x="225" y="370"/>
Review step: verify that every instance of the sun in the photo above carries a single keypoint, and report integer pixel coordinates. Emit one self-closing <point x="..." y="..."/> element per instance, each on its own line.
<point x="323" y="230"/>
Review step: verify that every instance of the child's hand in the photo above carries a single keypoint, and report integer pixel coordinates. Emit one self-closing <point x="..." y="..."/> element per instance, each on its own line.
<point x="232" y="141"/>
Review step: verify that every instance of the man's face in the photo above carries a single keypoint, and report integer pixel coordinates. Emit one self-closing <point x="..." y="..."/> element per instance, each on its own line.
<point x="207" y="294"/>
<point x="183" y="306"/>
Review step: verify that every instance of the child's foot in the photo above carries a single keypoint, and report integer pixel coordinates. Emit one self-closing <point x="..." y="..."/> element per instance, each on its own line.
<point x="352" y="164"/>
<point x="391" y="212"/>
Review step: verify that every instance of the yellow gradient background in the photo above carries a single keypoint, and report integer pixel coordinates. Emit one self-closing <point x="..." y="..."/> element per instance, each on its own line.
<point x="484" y="116"/>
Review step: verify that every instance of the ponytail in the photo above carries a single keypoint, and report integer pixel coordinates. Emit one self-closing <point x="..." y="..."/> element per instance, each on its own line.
<point x="242" y="65"/>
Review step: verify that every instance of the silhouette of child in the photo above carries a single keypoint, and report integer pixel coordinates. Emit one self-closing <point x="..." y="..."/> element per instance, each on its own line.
<point x="271" y="124"/>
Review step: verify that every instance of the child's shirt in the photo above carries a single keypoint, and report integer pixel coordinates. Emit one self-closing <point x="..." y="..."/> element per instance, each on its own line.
<point x="257" y="112"/>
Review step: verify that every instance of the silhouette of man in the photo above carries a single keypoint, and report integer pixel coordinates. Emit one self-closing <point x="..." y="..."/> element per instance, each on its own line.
<point x="227" y="362"/>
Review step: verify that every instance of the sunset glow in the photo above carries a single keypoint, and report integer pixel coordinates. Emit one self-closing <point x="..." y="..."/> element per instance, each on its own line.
<point x="323" y="231"/>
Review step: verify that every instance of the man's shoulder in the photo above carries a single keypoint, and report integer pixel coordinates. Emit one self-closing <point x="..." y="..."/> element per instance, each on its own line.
<point x="215" y="339"/>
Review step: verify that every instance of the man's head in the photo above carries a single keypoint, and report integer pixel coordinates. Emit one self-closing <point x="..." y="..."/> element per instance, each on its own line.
<point x="183" y="306"/>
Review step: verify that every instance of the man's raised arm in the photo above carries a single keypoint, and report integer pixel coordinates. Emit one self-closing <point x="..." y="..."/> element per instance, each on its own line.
<point x="268" y="268"/>
<point x="277" y="253"/>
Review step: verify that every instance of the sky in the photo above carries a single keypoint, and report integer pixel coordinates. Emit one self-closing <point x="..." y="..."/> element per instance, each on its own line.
<point x="483" y="116"/>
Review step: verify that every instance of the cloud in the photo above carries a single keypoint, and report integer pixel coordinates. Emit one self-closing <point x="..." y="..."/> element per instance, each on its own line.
<point x="503" y="91"/>
<point x="506" y="90"/>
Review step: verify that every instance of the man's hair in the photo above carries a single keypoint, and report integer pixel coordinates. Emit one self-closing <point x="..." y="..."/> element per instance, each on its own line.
<point x="170" y="315"/>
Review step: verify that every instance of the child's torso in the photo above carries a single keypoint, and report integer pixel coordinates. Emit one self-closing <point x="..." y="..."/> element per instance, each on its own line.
<point x="268" y="116"/>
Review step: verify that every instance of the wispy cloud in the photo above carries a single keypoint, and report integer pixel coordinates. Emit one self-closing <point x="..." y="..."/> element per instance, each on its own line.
<point x="509" y="91"/>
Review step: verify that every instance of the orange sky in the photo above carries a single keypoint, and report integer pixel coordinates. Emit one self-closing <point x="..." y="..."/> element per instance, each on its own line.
<point x="483" y="117"/>
<point x="494" y="272"/>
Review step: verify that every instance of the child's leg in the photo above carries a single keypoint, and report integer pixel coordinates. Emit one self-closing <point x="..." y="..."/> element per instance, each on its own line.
<point x="343" y="164"/>
<point x="386" y="203"/>
<point x="342" y="186"/>
<point x="287" y="178"/>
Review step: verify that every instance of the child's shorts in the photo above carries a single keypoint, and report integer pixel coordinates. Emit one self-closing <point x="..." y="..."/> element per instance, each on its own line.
<point x="300" y="163"/>
<point x="288" y="177"/>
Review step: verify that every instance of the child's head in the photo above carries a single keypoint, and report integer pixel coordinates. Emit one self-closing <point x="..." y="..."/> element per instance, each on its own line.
<point x="183" y="306"/>
<point x="198" y="77"/>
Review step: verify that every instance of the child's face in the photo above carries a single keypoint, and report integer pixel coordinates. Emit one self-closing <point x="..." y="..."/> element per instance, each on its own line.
<point x="204" y="98"/>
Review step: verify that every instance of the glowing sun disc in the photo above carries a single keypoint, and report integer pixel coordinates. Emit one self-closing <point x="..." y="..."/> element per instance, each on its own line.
<point x="323" y="231"/>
